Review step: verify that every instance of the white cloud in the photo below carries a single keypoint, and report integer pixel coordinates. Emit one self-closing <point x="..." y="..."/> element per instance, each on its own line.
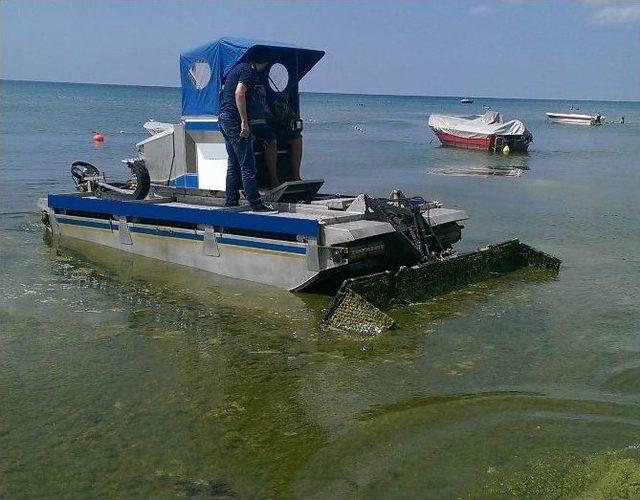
<point x="602" y="11"/>
<point x="617" y="14"/>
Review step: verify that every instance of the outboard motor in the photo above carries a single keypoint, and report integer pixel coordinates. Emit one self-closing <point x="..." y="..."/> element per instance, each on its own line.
<point x="88" y="179"/>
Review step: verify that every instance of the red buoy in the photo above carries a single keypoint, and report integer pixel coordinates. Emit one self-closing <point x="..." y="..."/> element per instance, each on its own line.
<point x="98" y="137"/>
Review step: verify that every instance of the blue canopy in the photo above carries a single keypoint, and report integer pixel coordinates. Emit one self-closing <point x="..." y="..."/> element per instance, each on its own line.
<point x="203" y="70"/>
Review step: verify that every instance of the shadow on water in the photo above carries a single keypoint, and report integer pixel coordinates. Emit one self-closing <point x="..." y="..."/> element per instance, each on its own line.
<point x="182" y="296"/>
<point x="469" y="163"/>
<point x="190" y="290"/>
<point x="194" y="290"/>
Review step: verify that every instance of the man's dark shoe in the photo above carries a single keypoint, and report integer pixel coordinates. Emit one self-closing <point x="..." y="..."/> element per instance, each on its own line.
<point x="232" y="204"/>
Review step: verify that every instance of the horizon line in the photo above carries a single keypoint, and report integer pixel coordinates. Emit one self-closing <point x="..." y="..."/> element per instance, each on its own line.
<point x="335" y="93"/>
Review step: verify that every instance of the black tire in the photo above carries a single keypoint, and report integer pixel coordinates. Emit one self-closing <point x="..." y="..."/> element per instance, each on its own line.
<point x="143" y="181"/>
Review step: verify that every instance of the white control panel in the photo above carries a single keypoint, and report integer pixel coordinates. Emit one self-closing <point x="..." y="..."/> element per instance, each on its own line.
<point x="212" y="166"/>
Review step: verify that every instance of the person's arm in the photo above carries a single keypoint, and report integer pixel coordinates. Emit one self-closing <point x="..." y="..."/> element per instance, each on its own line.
<point x="241" y="103"/>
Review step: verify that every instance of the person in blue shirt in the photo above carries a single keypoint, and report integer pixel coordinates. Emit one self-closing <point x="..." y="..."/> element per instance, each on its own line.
<point x="238" y="100"/>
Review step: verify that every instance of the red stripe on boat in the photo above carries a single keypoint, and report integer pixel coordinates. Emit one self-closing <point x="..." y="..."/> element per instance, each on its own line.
<point x="485" y="143"/>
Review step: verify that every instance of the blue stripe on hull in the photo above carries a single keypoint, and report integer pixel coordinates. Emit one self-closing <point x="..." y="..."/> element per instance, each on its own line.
<point x="264" y="246"/>
<point x="168" y="214"/>
<point x="224" y="240"/>
<point x="166" y="232"/>
<point x="87" y="223"/>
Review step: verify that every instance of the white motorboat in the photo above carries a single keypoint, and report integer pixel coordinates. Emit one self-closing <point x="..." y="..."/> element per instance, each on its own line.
<point x="576" y="119"/>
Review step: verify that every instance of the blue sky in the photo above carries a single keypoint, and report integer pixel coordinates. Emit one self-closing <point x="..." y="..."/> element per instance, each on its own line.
<point x="579" y="49"/>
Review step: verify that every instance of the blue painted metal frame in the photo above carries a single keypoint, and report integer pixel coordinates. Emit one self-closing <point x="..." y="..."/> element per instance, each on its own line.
<point x="166" y="214"/>
<point x="185" y="181"/>
<point x="201" y="125"/>
<point x="238" y="242"/>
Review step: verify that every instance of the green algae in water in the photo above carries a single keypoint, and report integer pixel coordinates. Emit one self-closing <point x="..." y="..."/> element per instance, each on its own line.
<point x="566" y="475"/>
<point x="144" y="380"/>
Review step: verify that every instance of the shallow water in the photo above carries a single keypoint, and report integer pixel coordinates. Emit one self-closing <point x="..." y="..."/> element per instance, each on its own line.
<point x="126" y="377"/>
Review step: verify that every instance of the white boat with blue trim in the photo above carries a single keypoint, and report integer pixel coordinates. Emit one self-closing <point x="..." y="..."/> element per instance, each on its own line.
<point x="172" y="209"/>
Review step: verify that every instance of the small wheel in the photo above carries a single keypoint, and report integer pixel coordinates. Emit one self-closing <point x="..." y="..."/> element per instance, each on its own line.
<point x="143" y="181"/>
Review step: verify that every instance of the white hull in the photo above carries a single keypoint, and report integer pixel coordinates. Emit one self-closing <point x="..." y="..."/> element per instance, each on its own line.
<point x="572" y="119"/>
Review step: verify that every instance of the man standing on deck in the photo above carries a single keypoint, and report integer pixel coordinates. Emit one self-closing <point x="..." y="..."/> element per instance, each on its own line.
<point x="238" y="96"/>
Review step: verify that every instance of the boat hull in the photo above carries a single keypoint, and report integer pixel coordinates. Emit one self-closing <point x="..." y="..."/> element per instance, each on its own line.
<point x="273" y="262"/>
<point x="486" y="143"/>
<point x="296" y="247"/>
<point x="572" y="119"/>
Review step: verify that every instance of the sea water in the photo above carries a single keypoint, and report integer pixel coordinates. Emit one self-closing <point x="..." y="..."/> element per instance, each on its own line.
<point x="126" y="377"/>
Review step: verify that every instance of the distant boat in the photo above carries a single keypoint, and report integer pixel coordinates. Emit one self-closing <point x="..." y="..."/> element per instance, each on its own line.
<point x="575" y="119"/>
<point x="466" y="100"/>
<point x="487" y="132"/>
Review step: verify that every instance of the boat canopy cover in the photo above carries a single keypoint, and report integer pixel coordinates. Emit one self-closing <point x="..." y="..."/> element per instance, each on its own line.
<point x="203" y="70"/>
<point x="476" y="126"/>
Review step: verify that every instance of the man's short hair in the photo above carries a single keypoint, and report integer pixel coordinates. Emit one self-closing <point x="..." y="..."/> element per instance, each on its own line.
<point x="259" y="55"/>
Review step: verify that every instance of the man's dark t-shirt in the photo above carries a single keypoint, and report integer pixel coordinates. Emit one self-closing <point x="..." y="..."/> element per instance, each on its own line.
<point x="247" y="75"/>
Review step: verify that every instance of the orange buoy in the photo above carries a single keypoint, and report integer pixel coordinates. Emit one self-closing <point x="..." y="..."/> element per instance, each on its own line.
<point x="98" y="137"/>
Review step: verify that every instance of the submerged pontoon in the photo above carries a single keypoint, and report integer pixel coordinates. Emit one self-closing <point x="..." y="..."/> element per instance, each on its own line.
<point x="375" y="251"/>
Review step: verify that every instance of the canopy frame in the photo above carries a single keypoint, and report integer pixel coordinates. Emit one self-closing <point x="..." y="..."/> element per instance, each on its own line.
<point x="203" y="71"/>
